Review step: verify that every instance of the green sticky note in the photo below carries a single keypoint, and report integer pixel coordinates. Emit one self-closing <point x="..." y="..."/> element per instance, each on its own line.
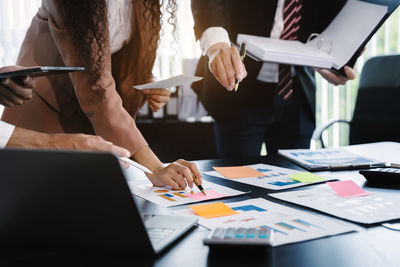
<point x="307" y="177"/>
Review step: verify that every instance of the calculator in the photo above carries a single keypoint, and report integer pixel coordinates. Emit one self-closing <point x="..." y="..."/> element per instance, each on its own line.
<point x="382" y="176"/>
<point x="240" y="236"/>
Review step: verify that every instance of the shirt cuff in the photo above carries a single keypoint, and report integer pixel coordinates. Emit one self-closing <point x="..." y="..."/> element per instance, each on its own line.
<point x="6" y="131"/>
<point x="211" y="36"/>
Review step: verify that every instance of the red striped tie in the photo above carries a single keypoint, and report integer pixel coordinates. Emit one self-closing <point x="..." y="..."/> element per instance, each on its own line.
<point x="291" y="21"/>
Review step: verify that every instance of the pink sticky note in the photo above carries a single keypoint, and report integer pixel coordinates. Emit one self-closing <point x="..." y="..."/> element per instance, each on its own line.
<point x="210" y="194"/>
<point x="348" y="189"/>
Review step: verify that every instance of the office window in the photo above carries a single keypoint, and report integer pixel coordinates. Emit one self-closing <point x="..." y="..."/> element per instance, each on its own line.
<point x="181" y="56"/>
<point x="337" y="102"/>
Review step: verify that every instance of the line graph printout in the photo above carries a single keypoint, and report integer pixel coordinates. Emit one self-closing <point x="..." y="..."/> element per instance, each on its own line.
<point x="166" y="197"/>
<point x="274" y="178"/>
<point x="289" y="225"/>
<point x="373" y="208"/>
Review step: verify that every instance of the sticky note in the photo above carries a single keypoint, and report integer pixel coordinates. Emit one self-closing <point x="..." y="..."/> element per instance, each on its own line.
<point x="238" y="172"/>
<point x="210" y="194"/>
<point x="347" y="189"/>
<point x="306" y="177"/>
<point x="213" y="210"/>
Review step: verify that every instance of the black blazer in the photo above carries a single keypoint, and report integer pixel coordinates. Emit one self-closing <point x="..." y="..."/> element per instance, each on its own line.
<point x="253" y="17"/>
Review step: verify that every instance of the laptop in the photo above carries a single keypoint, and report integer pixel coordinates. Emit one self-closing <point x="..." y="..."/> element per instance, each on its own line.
<point x="77" y="200"/>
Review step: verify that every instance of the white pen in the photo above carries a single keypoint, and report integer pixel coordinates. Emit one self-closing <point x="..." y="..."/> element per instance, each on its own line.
<point x="136" y="165"/>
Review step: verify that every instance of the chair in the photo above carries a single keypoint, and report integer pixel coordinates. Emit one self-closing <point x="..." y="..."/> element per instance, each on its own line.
<point x="376" y="115"/>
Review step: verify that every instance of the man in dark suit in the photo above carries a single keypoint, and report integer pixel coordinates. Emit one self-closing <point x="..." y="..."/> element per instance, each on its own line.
<point x="275" y="104"/>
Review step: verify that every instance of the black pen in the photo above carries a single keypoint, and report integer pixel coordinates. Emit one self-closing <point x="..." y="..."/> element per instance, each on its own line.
<point x="242" y="53"/>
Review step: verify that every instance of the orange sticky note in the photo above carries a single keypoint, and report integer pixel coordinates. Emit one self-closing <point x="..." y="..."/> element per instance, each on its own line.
<point x="238" y="172"/>
<point x="213" y="210"/>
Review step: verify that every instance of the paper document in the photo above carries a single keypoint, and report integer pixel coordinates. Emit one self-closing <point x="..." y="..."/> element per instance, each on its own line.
<point x="333" y="48"/>
<point x="170" y="82"/>
<point x="328" y="159"/>
<point x="271" y="177"/>
<point x="166" y="197"/>
<point x="289" y="225"/>
<point x="377" y="207"/>
<point x="380" y="151"/>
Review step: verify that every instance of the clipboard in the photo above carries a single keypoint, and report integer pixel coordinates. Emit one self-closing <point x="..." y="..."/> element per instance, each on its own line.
<point x="392" y="5"/>
<point x="266" y="49"/>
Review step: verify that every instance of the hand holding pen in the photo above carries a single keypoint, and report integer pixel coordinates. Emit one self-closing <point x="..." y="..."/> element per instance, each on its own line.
<point x="184" y="168"/>
<point x="226" y="65"/>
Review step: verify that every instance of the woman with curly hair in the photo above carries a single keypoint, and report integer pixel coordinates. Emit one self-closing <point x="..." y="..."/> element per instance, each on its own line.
<point x="116" y="42"/>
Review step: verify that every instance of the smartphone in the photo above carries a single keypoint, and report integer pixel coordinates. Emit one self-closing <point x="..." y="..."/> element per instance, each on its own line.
<point x="38" y="72"/>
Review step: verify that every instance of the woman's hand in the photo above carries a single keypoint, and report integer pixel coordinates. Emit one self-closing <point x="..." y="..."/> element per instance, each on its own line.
<point x="13" y="93"/>
<point x="178" y="175"/>
<point x="157" y="98"/>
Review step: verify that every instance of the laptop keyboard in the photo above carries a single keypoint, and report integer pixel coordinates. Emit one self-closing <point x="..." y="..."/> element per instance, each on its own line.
<point x="158" y="234"/>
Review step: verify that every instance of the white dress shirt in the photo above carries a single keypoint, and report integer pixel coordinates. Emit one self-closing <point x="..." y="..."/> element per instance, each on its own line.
<point x="5" y="133"/>
<point x="120" y="19"/>
<point x="269" y="71"/>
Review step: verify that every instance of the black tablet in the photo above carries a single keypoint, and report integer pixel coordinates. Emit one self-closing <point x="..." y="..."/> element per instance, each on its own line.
<point x="38" y="72"/>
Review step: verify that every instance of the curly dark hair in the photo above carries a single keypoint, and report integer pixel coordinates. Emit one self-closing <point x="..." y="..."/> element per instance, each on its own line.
<point x="86" y="21"/>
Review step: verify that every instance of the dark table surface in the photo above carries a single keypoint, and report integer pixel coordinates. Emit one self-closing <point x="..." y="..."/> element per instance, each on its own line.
<point x="373" y="245"/>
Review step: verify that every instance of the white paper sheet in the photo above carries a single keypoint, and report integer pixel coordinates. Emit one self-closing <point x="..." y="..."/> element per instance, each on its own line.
<point x="380" y="151"/>
<point x="289" y="225"/>
<point x="179" y="80"/>
<point x="276" y="177"/>
<point x="166" y="197"/>
<point x="379" y="207"/>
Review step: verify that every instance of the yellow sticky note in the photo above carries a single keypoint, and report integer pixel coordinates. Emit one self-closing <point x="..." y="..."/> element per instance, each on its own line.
<point x="307" y="177"/>
<point x="212" y="210"/>
<point x="238" y="172"/>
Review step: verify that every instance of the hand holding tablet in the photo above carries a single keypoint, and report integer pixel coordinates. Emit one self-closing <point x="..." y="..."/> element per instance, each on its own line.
<point x="16" y="82"/>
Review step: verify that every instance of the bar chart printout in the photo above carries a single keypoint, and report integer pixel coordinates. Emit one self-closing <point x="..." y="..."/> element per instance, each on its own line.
<point x="289" y="225"/>
<point x="270" y="177"/>
<point x="366" y="208"/>
<point x="167" y="197"/>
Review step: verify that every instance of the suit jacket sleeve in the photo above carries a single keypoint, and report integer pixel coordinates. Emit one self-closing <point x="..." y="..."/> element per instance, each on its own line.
<point x="102" y="107"/>
<point x="208" y="13"/>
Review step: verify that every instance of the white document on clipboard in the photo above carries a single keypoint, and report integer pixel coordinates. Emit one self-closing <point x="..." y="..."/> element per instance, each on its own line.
<point x="333" y="48"/>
